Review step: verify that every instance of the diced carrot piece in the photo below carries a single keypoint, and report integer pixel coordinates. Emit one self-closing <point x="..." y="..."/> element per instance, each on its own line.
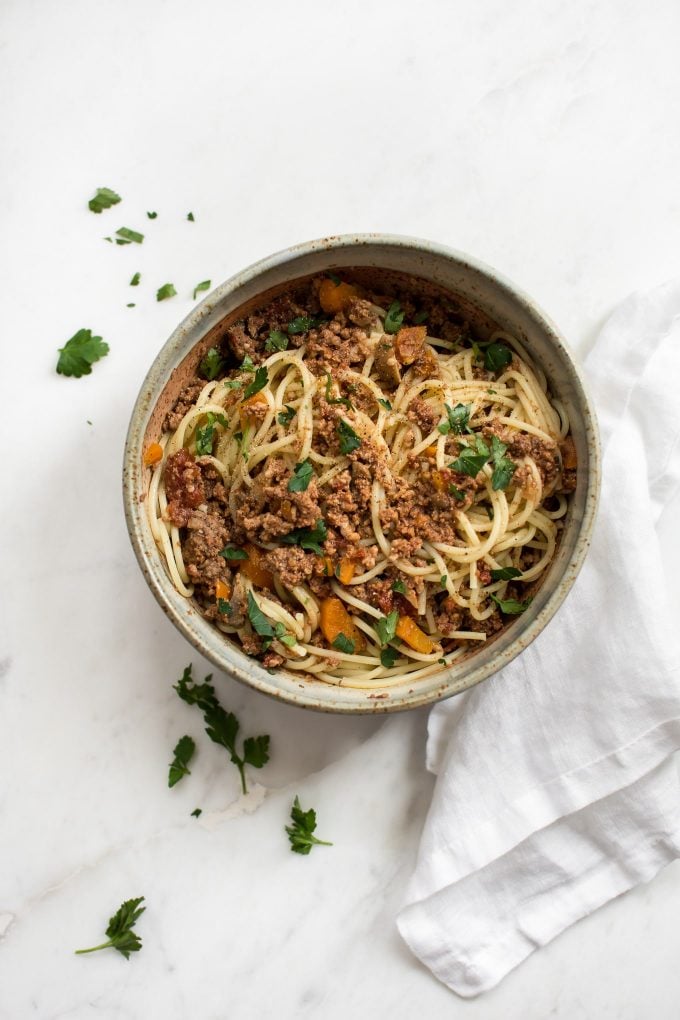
<point x="411" y="633"/>
<point x="328" y="568"/>
<point x="246" y="413"/>
<point x="254" y="569"/>
<point x="334" y="297"/>
<point x="439" y="481"/>
<point x="346" y="570"/>
<point x="222" y="590"/>
<point x="153" y="453"/>
<point x="335" y="620"/>
<point x="409" y="343"/>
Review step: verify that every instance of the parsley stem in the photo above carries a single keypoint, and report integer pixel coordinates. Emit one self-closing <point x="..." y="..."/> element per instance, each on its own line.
<point x="239" y="766"/>
<point x="93" y="949"/>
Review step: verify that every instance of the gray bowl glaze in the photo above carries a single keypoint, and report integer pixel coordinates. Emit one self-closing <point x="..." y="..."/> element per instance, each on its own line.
<point x="457" y="272"/>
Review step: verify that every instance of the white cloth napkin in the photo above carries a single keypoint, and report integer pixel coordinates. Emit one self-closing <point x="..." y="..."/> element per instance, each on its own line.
<point x="556" y="786"/>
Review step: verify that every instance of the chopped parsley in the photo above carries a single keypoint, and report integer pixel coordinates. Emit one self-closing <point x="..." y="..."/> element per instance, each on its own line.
<point x="458" y="419"/>
<point x="211" y="364"/>
<point x="286" y="417"/>
<point x="166" y="291"/>
<point x="103" y="199"/>
<point x="152" y="215"/>
<point x="190" y="217"/>
<point x="399" y="586"/>
<point x="308" y="538"/>
<point x="511" y="607"/>
<point x="303" y="323"/>
<point x="205" y="436"/>
<point x="134" y="282"/>
<point x="276" y="341"/>
<point x="127" y="236"/>
<point x="385" y="403"/>
<point x="224" y="607"/>
<point x="197" y="812"/>
<point x="230" y="552"/>
<point x="300" y="833"/>
<point x="302" y="476"/>
<point x="443" y="580"/>
<point x="388" y="657"/>
<point x="259" y="382"/>
<point x="394" y="318"/>
<point x="386" y="627"/>
<point x="119" y="932"/>
<point x="131" y="304"/>
<point x="247" y="365"/>
<point x="203" y="285"/>
<point x="335" y="400"/>
<point x="343" y="644"/>
<point x="349" y="440"/>
<point x="261" y="624"/>
<point x="505" y="574"/>
<point x="472" y="458"/>
<point x="222" y="727"/>
<point x="179" y="766"/>
<point x="496" y="357"/>
<point x="79" y="353"/>
<point x="456" y="492"/>
<point x="504" y="468"/>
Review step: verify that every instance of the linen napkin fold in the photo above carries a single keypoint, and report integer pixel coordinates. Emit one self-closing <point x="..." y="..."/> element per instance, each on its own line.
<point x="556" y="788"/>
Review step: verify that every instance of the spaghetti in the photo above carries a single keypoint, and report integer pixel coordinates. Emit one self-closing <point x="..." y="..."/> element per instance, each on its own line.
<point x="362" y="500"/>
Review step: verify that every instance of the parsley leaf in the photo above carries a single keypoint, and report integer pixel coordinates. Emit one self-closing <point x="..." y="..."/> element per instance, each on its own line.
<point x="80" y="352"/>
<point x="276" y="341"/>
<point x="335" y="400"/>
<point x="303" y="323"/>
<point x="504" y="468"/>
<point x="286" y="417"/>
<point x="179" y="766"/>
<point x="131" y="305"/>
<point x="230" y="552"/>
<point x="308" y="538"/>
<point x="247" y="365"/>
<point x="349" y="440"/>
<point x="211" y="364"/>
<point x="103" y="199"/>
<point x="197" y="812"/>
<point x="496" y="357"/>
<point x="388" y="657"/>
<point x="511" y="607"/>
<point x="119" y="931"/>
<point x="302" y="476"/>
<point x="205" y="436"/>
<point x="420" y="317"/>
<point x="505" y="574"/>
<point x="458" y="419"/>
<point x="222" y="727"/>
<point x="442" y="581"/>
<point x="300" y="832"/>
<point x="127" y="236"/>
<point x="204" y="285"/>
<point x="261" y="624"/>
<point x="259" y="382"/>
<point x="343" y="644"/>
<point x="472" y="458"/>
<point x="399" y="586"/>
<point x="224" y="607"/>
<point x="134" y="282"/>
<point x="385" y="403"/>
<point x="166" y="291"/>
<point x="394" y="318"/>
<point x="190" y="217"/>
<point x="386" y="627"/>
<point x="152" y="215"/>
<point x="456" y="492"/>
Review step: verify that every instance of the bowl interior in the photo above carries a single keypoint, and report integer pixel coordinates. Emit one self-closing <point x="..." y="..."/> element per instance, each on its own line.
<point x="490" y="302"/>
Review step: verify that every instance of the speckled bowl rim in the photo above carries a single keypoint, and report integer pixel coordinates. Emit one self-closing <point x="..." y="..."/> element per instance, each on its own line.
<point x="202" y="635"/>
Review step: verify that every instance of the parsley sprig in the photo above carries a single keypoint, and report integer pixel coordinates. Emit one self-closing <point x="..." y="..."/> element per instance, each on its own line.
<point x="179" y="766"/>
<point x="103" y="199"/>
<point x="221" y="726"/>
<point x="119" y="931"/>
<point x="79" y="353"/>
<point x="300" y="833"/>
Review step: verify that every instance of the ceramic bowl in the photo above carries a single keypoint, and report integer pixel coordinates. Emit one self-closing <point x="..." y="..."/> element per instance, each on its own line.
<point x="476" y="283"/>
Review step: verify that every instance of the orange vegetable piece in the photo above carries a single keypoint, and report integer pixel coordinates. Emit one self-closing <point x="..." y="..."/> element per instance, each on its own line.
<point x="430" y="452"/>
<point x="245" y="410"/>
<point x="328" y="568"/>
<point x="153" y="453"/>
<point x="222" y="590"/>
<point x="414" y="637"/>
<point x="334" y="297"/>
<point x="336" y="620"/>
<point x="346" y="570"/>
<point x="254" y="569"/>
<point x="568" y="449"/>
<point x="409" y="343"/>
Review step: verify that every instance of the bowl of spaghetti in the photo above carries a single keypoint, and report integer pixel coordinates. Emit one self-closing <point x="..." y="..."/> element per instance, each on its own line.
<point x="362" y="475"/>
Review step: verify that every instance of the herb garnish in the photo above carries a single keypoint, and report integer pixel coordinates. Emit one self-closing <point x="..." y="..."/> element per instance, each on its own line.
<point x="303" y="323"/>
<point x="179" y="766"/>
<point x="190" y="217"/>
<point x="511" y="606"/>
<point x="224" y="607"/>
<point x="197" y="812"/>
<point x="456" y="492"/>
<point x="204" y="285"/>
<point x="420" y="317"/>
<point x="335" y="400"/>
<point x="386" y="627"/>
<point x="259" y="382"/>
<point x="302" y="476"/>
<point x="166" y="291"/>
<point x="103" y="199"/>
<point x="300" y="832"/>
<point x="504" y="468"/>
<point x="472" y="458"/>
<point x="222" y="727"/>
<point x="496" y="357"/>
<point x="394" y="318"/>
<point x="388" y="657"/>
<point x="230" y="552"/>
<point x="276" y="341"/>
<point x="458" y="419"/>
<point x="349" y="440"/>
<point x="343" y="644"/>
<point x="131" y="304"/>
<point x="211" y="364"/>
<point x="152" y="215"/>
<point x="80" y="352"/>
<point x="385" y="403"/>
<point x="205" y="436"/>
<point x="505" y="574"/>
<point x="286" y="417"/>
<point x="134" y="282"/>
<point x="399" y="586"/>
<point x="119" y="931"/>
<point x="308" y="538"/>
<point x="127" y="236"/>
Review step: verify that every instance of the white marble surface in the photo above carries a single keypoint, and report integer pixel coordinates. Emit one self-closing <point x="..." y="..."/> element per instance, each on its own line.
<point x="542" y="137"/>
